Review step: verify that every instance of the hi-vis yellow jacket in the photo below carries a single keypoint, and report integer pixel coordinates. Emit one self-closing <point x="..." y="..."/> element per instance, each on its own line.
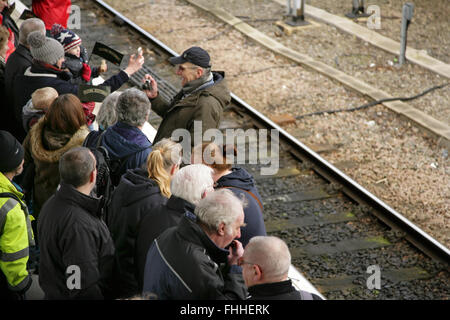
<point x="15" y="237"/>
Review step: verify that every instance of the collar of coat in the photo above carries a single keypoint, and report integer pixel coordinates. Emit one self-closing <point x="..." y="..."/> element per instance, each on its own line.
<point x="189" y="230"/>
<point x="7" y="186"/>
<point x="38" y="147"/>
<point x="42" y="69"/>
<point x="24" y="52"/>
<point x="180" y="205"/>
<point x="70" y="195"/>
<point x="271" y="289"/>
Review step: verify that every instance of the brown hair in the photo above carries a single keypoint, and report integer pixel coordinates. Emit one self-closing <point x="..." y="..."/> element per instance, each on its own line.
<point x="4" y="36"/>
<point x="65" y="114"/>
<point x="216" y="155"/>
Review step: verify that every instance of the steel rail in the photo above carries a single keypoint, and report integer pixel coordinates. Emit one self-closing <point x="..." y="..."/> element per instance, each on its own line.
<point x="385" y="213"/>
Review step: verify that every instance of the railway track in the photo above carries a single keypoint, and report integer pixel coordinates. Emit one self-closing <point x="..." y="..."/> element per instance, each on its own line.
<point x="339" y="234"/>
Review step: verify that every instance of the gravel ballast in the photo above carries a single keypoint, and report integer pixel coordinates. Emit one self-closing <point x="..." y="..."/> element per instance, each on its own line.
<point x="381" y="151"/>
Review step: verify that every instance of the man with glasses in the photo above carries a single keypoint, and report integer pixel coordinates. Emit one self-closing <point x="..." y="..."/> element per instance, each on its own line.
<point x="190" y="262"/>
<point x="203" y="96"/>
<point x="265" y="266"/>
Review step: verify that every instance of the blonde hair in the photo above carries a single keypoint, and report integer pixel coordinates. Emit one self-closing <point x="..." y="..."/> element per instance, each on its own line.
<point x="165" y="154"/>
<point x="43" y="98"/>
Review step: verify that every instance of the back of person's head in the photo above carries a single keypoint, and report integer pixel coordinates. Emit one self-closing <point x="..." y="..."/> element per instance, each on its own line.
<point x="218" y="157"/>
<point x="4" y="35"/>
<point x="271" y="254"/>
<point x="133" y="107"/>
<point x="43" y="98"/>
<point x="65" y="114"/>
<point x="220" y="206"/>
<point x="107" y="115"/>
<point x="76" y="166"/>
<point x="165" y="154"/>
<point x="45" y="49"/>
<point x="28" y="26"/>
<point x="11" y="154"/>
<point x="191" y="182"/>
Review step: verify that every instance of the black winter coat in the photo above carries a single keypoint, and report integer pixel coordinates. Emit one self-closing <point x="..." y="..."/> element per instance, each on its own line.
<point x="183" y="263"/>
<point x="39" y="76"/>
<point x="155" y="223"/>
<point x="135" y="197"/>
<point x="283" y="290"/>
<point x="71" y="233"/>
<point x="16" y="65"/>
<point x="241" y="181"/>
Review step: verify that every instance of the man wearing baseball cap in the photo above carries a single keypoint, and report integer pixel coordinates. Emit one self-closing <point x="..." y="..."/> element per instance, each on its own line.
<point x="203" y="95"/>
<point x="16" y="235"/>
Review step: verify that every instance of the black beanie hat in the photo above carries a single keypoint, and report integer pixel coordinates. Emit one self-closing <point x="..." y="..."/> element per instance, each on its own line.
<point x="11" y="152"/>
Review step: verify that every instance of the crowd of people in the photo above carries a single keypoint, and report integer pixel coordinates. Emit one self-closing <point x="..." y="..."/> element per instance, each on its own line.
<point x="171" y="229"/>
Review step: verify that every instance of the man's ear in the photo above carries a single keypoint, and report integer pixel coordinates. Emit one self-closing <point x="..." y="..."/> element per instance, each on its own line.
<point x="221" y="229"/>
<point x="93" y="176"/>
<point x="199" y="72"/>
<point x="173" y="169"/>
<point x="257" y="272"/>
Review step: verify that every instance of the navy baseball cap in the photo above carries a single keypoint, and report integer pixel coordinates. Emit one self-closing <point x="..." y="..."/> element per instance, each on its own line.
<point x="194" y="55"/>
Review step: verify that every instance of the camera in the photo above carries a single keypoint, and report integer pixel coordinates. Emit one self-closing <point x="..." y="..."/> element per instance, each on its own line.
<point x="147" y="85"/>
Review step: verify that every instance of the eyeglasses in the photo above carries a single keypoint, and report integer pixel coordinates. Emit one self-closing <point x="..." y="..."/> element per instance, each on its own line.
<point x="182" y="68"/>
<point x="241" y="262"/>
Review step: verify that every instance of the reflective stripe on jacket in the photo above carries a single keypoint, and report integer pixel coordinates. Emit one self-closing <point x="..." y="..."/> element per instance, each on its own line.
<point x="15" y="237"/>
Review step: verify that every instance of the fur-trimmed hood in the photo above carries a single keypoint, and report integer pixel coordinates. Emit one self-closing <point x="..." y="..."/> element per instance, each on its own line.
<point x="48" y="146"/>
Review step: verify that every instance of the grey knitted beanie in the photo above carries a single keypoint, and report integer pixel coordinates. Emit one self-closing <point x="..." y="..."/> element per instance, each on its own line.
<point x="45" y="49"/>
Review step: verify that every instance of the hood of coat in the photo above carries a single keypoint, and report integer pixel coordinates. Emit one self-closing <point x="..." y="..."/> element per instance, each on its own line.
<point x="239" y="178"/>
<point x="122" y="140"/>
<point x="136" y="185"/>
<point x="48" y="146"/>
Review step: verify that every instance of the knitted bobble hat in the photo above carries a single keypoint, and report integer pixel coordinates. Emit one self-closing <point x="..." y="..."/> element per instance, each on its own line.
<point x="45" y="49"/>
<point x="67" y="38"/>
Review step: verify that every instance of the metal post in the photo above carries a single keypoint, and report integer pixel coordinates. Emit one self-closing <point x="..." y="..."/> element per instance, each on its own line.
<point x="296" y="10"/>
<point x="357" y="10"/>
<point x="407" y="13"/>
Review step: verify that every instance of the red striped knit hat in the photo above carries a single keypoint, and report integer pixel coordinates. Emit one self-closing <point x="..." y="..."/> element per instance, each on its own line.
<point x="66" y="37"/>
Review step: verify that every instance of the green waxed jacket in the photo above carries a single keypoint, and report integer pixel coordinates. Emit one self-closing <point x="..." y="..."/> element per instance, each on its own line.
<point x="15" y="237"/>
<point x="204" y="105"/>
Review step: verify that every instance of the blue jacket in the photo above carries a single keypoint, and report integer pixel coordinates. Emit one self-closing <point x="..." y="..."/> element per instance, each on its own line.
<point x="240" y="181"/>
<point x="122" y="140"/>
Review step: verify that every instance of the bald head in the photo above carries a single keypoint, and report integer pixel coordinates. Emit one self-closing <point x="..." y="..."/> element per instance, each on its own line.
<point x="28" y="26"/>
<point x="272" y="256"/>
